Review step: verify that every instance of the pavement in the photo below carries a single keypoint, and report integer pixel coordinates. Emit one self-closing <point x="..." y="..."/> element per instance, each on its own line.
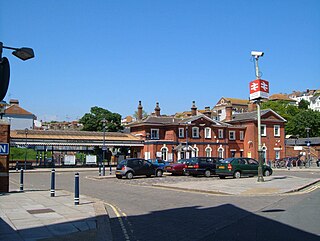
<point x="34" y="215"/>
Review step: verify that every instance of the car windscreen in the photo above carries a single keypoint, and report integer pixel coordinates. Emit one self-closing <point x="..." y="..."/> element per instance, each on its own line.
<point x="227" y="160"/>
<point x="122" y="163"/>
<point x="182" y="161"/>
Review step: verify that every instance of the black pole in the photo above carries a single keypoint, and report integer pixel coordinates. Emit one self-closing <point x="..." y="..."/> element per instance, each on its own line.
<point x="52" y="192"/>
<point x="100" y="164"/>
<point x="76" y="189"/>
<point x="21" y="179"/>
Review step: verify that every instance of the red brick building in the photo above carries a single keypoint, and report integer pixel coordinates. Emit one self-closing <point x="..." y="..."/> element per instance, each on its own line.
<point x="172" y="138"/>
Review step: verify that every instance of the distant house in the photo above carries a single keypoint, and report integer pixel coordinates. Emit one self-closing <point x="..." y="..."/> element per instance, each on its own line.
<point x="315" y="102"/>
<point x="312" y="96"/>
<point x="237" y="105"/>
<point x="18" y="117"/>
<point x="282" y="97"/>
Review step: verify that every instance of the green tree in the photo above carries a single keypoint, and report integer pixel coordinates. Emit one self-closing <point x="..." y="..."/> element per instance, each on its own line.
<point x="303" y="104"/>
<point x="93" y="121"/>
<point x="305" y="118"/>
<point x="283" y="108"/>
<point x="144" y="114"/>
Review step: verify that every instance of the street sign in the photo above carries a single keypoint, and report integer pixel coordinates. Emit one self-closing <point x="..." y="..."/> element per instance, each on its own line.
<point x="4" y="148"/>
<point x="259" y="89"/>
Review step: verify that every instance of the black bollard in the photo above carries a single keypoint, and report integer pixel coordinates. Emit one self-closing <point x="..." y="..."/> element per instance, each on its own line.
<point x="52" y="192"/>
<point x="76" y="189"/>
<point x="110" y="167"/>
<point x="17" y="166"/>
<point x="103" y="169"/>
<point x="100" y="169"/>
<point x="21" y="179"/>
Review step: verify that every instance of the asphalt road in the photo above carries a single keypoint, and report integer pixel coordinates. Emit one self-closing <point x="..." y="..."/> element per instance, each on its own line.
<point x="141" y="212"/>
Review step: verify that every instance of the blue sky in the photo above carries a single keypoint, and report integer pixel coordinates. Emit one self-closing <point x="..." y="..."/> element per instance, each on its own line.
<point x="112" y="54"/>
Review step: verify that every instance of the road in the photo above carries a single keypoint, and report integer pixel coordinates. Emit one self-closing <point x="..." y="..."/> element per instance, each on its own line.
<point x="139" y="211"/>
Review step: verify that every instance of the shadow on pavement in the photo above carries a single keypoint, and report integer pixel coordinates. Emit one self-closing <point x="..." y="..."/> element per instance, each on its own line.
<point x="222" y="223"/>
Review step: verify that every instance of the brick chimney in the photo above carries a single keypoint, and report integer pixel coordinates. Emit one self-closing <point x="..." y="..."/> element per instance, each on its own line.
<point x="252" y="107"/>
<point x="14" y="102"/>
<point x="207" y="111"/>
<point x="228" y="113"/>
<point x="157" y="109"/>
<point x="193" y="109"/>
<point x="139" y="117"/>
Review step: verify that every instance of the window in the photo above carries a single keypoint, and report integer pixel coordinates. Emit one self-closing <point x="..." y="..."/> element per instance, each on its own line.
<point x="181" y="132"/>
<point x="277" y="155"/>
<point x="220" y="133"/>
<point x="154" y="133"/>
<point x="164" y="153"/>
<point x="276" y="130"/>
<point x="232" y="135"/>
<point x="208" y="152"/>
<point x="195" y="132"/>
<point x="220" y="152"/>
<point x="241" y="135"/>
<point x="263" y="130"/>
<point x="207" y="132"/>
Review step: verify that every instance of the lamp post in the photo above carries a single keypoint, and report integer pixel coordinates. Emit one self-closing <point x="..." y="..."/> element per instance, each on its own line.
<point x="21" y="53"/>
<point x="258" y="90"/>
<point x="26" y="152"/>
<point x="104" y="146"/>
<point x="308" y="144"/>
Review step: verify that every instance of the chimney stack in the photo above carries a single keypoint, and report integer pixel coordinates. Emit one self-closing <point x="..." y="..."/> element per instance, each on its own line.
<point x="252" y="107"/>
<point x="157" y="109"/>
<point x="193" y="109"/>
<point x="139" y="111"/>
<point x="228" y="113"/>
<point x="207" y="111"/>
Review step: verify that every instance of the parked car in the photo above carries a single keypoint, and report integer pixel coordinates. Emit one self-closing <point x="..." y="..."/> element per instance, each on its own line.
<point x="240" y="166"/>
<point x="202" y="166"/>
<point x="137" y="167"/>
<point x="178" y="167"/>
<point x="160" y="163"/>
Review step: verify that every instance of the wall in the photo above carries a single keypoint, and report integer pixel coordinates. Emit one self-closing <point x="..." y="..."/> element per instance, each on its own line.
<point x="4" y="159"/>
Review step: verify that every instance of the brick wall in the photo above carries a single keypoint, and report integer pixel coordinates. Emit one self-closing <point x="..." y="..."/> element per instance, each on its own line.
<point x="4" y="160"/>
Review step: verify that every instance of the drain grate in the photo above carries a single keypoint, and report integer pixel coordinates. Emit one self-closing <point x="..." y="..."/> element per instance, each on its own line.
<point x="38" y="211"/>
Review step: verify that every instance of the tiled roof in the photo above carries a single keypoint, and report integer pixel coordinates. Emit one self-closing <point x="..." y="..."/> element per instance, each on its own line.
<point x="17" y="110"/>
<point x="280" y="97"/>
<point x="237" y="101"/>
<point x="252" y="116"/>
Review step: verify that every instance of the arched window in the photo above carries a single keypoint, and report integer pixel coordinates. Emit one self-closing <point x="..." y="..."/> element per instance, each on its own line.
<point x="220" y="152"/>
<point x="208" y="151"/>
<point x="264" y="149"/>
<point x="164" y="153"/>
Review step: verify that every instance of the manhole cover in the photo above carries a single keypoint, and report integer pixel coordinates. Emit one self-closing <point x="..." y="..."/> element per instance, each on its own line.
<point x="37" y="211"/>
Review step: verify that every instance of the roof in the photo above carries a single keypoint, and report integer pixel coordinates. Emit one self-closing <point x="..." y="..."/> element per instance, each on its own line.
<point x="238" y="117"/>
<point x="17" y="110"/>
<point x="237" y="101"/>
<point x="280" y="97"/>
<point x="53" y="137"/>
<point x="302" y="141"/>
<point x="158" y="120"/>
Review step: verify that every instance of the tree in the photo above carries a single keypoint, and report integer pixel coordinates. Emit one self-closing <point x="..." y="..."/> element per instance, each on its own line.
<point x="303" y="104"/>
<point x="144" y="114"/>
<point x="305" y="118"/>
<point x="93" y="121"/>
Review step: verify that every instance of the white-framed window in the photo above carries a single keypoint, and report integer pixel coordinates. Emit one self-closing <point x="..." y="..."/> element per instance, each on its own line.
<point x="208" y="151"/>
<point x="277" y="154"/>
<point x="232" y="135"/>
<point x="241" y="135"/>
<point x="154" y="134"/>
<point x="164" y="153"/>
<point x="220" y="152"/>
<point x="220" y="133"/>
<point x="195" y="132"/>
<point x="276" y="130"/>
<point x="195" y="152"/>
<point x="263" y="130"/>
<point x="207" y="132"/>
<point x="181" y="132"/>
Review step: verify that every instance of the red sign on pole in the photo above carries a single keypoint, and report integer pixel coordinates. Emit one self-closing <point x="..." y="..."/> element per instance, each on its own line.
<point x="259" y="89"/>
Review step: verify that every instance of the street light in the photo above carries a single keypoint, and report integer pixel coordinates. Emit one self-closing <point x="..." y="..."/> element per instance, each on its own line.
<point x="256" y="56"/>
<point x="104" y="146"/>
<point x="308" y="144"/>
<point x="26" y="152"/>
<point x="21" y="53"/>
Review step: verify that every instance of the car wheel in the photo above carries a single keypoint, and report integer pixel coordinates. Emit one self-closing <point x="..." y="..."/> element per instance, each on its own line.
<point x="129" y="175"/>
<point x="222" y="177"/>
<point x="266" y="173"/>
<point x="159" y="173"/>
<point x="207" y="173"/>
<point x="237" y="174"/>
<point x="119" y="176"/>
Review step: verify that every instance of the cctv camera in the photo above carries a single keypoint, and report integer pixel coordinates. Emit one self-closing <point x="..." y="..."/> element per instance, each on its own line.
<point x="257" y="53"/>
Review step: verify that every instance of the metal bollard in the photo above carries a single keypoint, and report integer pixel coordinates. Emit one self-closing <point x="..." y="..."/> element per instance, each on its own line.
<point x="21" y="179"/>
<point x="17" y="166"/>
<point x="110" y="167"/>
<point x="52" y="191"/>
<point x="99" y="169"/>
<point x="76" y="189"/>
<point x="103" y="169"/>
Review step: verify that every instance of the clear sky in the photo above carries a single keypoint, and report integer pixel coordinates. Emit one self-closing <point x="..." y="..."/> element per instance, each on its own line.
<point x="113" y="53"/>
